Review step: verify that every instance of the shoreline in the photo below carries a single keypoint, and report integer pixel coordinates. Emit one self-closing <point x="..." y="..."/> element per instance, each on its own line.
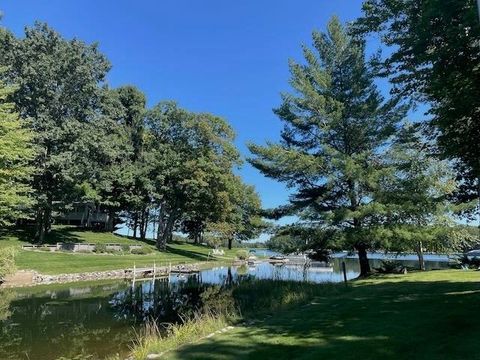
<point x="32" y="278"/>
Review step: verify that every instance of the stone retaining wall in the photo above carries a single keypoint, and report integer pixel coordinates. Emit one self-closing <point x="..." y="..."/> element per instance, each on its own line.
<point x="30" y="278"/>
<point x="78" y="247"/>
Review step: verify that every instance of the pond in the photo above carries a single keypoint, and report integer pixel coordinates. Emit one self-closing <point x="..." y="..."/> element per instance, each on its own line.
<point x="100" y="319"/>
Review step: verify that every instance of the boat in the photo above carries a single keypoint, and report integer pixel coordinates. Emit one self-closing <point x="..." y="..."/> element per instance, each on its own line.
<point x="277" y="259"/>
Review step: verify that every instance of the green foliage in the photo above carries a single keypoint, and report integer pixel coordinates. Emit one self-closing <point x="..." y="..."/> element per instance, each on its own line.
<point x="242" y="254"/>
<point x="100" y="248"/>
<point x="472" y="263"/>
<point x="49" y="71"/>
<point x="164" y="166"/>
<point x="142" y="251"/>
<point x="7" y="262"/>
<point x="417" y="194"/>
<point x="336" y="131"/>
<point x="6" y="297"/>
<point x="16" y="152"/>
<point x="433" y="57"/>
<point x="298" y="238"/>
<point x="126" y="248"/>
<point x="390" y="267"/>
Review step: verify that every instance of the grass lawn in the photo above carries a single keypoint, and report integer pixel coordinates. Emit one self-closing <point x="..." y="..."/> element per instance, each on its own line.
<point x="431" y="315"/>
<point x="63" y="262"/>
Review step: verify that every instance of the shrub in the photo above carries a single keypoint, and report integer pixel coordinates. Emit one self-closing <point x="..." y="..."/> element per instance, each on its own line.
<point x="472" y="263"/>
<point x="113" y="251"/>
<point x="6" y="297"/>
<point x="7" y="262"/>
<point x="391" y="267"/>
<point x="100" y="248"/>
<point x="126" y="248"/>
<point x="141" y="251"/>
<point x="242" y="254"/>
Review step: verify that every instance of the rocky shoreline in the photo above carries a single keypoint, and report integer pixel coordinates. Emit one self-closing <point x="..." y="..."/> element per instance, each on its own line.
<point x="25" y="278"/>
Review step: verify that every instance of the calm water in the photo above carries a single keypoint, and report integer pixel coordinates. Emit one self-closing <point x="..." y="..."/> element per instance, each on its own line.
<point x="99" y="319"/>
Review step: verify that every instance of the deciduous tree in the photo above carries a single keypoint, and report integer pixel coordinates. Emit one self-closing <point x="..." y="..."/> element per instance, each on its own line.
<point x="16" y="153"/>
<point x="58" y="92"/>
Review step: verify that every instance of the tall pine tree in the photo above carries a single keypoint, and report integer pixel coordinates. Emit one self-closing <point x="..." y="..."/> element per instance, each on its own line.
<point x="336" y="128"/>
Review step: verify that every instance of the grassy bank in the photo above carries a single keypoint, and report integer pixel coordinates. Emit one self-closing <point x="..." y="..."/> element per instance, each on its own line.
<point x="64" y="262"/>
<point x="432" y="315"/>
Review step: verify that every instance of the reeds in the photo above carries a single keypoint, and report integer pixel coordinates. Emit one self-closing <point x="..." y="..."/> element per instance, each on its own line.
<point x="224" y="306"/>
<point x="161" y="338"/>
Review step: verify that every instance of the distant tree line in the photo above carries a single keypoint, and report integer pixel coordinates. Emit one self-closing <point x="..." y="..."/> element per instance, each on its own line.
<point x="67" y="137"/>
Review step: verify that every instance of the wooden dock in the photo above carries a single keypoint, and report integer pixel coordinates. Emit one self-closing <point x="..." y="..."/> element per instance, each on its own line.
<point x="159" y="271"/>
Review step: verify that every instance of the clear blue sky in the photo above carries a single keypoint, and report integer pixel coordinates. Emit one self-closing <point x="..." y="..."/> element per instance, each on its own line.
<point x="225" y="57"/>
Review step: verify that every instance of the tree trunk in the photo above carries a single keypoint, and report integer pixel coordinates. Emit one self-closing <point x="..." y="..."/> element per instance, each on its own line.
<point x="167" y="232"/>
<point x="39" y="232"/>
<point x="363" y="260"/>
<point x="196" y="236"/>
<point x="147" y="219"/>
<point x="230" y="241"/>
<point x="421" y="261"/>
<point x="135" y="225"/>
<point x="44" y="217"/>
<point x="159" y="227"/>
<point x="111" y="216"/>
<point x="142" y="225"/>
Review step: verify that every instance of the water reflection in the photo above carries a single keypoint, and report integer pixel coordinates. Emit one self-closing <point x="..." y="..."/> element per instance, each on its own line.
<point x="100" y="319"/>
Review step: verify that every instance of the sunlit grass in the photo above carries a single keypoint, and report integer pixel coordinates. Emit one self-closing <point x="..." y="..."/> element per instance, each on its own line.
<point x="65" y="262"/>
<point x="422" y="315"/>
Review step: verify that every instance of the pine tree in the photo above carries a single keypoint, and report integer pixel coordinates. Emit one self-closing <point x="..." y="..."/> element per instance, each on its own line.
<point x="336" y="128"/>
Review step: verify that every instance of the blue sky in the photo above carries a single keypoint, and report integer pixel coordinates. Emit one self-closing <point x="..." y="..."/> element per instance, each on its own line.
<point x="229" y="58"/>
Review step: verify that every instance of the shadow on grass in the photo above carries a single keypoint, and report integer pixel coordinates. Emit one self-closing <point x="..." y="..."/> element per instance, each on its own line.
<point x="187" y="253"/>
<point x="58" y="234"/>
<point x="402" y="320"/>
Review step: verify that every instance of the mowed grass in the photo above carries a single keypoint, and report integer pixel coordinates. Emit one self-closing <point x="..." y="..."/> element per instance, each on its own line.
<point x="432" y="315"/>
<point x="64" y="262"/>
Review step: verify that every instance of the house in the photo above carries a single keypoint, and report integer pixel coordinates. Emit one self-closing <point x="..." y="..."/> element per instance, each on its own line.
<point x="84" y="214"/>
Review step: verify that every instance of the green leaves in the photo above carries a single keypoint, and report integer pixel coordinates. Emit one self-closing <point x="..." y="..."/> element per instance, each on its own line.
<point x="16" y="153"/>
<point x="434" y="59"/>
<point x="336" y="131"/>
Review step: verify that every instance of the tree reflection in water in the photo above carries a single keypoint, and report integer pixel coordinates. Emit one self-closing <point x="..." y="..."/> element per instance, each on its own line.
<point x="173" y="302"/>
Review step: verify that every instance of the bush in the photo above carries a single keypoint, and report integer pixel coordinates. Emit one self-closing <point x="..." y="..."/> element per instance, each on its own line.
<point x="242" y="254"/>
<point x="6" y="297"/>
<point x="100" y="248"/>
<point x="391" y="267"/>
<point x="7" y="262"/>
<point x="141" y="251"/>
<point x="471" y="263"/>
<point x="126" y="248"/>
